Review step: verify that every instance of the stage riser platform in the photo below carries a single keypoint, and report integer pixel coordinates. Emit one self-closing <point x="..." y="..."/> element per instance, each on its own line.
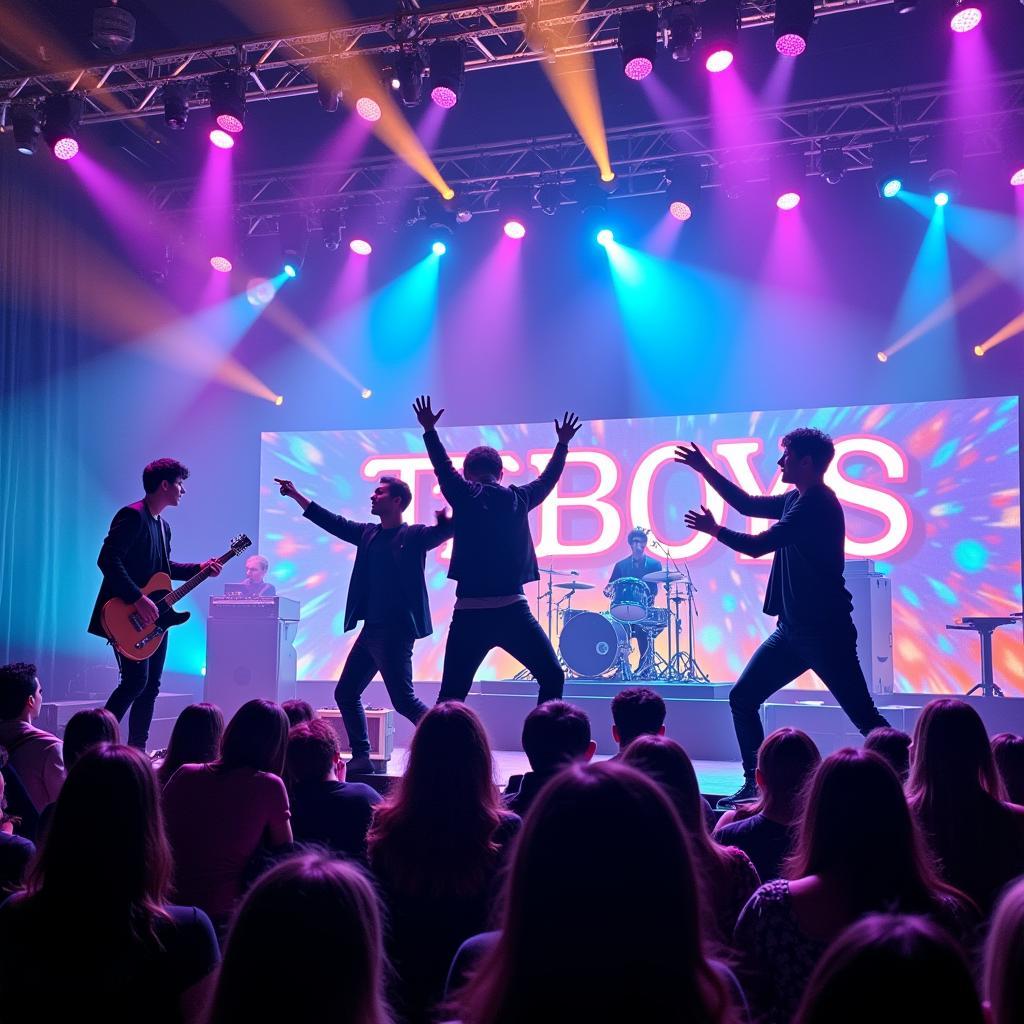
<point x="702" y="724"/>
<point x="55" y="714"/>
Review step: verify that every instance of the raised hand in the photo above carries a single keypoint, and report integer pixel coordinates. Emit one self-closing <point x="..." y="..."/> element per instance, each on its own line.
<point x="702" y="521"/>
<point x="288" y="489"/>
<point x="692" y="457"/>
<point x="427" y="417"/>
<point x="567" y="430"/>
<point x="443" y="516"/>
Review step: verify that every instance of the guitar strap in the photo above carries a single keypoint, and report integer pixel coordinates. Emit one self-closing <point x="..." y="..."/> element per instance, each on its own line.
<point x="163" y="544"/>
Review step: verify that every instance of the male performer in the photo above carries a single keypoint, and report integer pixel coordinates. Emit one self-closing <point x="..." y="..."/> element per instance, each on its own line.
<point x="492" y="557"/>
<point x="806" y="590"/>
<point x="256" y="585"/>
<point x="637" y="565"/>
<point x="388" y="593"/>
<point x="138" y="545"/>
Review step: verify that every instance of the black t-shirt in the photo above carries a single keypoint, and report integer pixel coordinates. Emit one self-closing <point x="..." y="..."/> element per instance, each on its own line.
<point x="386" y="605"/>
<point x="57" y="965"/>
<point x="334" y="814"/>
<point x="15" y="853"/>
<point x="765" y="842"/>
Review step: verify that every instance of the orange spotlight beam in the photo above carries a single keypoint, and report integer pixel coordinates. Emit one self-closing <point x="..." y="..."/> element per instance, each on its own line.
<point x="1014" y="327"/>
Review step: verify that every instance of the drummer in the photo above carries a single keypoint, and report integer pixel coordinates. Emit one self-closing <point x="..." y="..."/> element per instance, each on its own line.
<point x="637" y="565"/>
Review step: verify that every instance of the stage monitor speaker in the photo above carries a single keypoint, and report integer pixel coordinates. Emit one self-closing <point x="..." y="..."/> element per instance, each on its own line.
<point x="249" y="652"/>
<point x="380" y="729"/>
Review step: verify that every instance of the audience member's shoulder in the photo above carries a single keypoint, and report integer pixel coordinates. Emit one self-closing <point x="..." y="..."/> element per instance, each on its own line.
<point x="187" y="773"/>
<point x="508" y="827"/>
<point x="362" y="791"/>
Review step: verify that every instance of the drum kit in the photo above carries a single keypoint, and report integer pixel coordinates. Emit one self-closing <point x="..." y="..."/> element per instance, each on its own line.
<point x="597" y="644"/>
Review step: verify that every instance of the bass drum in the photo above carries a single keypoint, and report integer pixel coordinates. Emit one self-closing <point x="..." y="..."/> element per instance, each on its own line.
<point x="591" y="643"/>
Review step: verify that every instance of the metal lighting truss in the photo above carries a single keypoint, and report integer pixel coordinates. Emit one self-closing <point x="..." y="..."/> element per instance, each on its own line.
<point x="641" y="154"/>
<point x="282" y="66"/>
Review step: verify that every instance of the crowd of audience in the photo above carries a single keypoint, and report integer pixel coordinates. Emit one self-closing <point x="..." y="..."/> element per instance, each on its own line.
<point x="242" y="878"/>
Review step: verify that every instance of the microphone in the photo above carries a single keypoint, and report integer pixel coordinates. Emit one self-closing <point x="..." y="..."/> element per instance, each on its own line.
<point x="573" y="572"/>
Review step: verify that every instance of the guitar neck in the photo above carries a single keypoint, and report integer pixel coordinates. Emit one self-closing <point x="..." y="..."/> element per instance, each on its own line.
<point x="189" y="585"/>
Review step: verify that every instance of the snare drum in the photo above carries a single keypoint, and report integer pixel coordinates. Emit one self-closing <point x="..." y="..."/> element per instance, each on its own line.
<point x="656" y="621"/>
<point x="630" y="599"/>
<point x="592" y="643"/>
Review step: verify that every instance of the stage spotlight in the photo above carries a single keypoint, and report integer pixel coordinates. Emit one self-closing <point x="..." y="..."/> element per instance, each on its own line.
<point x="360" y="246"/>
<point x="221" y="264"/>
<point x="882" y="357"/>
<point x="793" y="20"/>
<point x="605" y="237"/>
<point x="787" y="175"/>
<point x="227" y="100"/>
<point x="439" y="248"/>
<point x="329" y="88"/>
<point x="515" y="203"/>
<point x="221" y="139"/>
<point x="62" y="113"/>
<point x="944" y="186"/>
<point x="684" y="180"/>
<point x="292" y="234"/>
<point x="638" y="43"/>
<point x="833" y="163"/>
<point x="331" y="224"/>
<point x="720" y="25"/>
<point x="27" y="124"/>
<point x="368" y="108"/>
<point x="409" y="72"/>
<point x="1016" y="177"/>
<point x="366" y="393"/>
<point x="279" y="400"/>
<point x="905" y="6"/>
<point x="682" y="32"/>
<point x="892" y="164"/>
<point x="113" y="29"/>
<point x="964" y="16"/>
<point x="447" y="72"/>
<point x="979" y="350"/>
<point x="175" y="105"/>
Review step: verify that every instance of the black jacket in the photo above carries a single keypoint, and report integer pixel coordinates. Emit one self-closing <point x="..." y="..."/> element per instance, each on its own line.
<point x="129" y="557"/>
<point x="493" y="554"/>
<point x="412" y="544"/>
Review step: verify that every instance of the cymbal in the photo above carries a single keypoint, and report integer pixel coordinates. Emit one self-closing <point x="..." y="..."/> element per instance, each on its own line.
<point x="663" y="577"/>
<point x="557" y="572"/>
<point x="575" y="586"/>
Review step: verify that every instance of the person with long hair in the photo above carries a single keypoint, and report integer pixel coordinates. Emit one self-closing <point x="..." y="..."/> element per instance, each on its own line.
<point x="223" y="816"/>
<point x="436" y="847"/>
<point x="1008" y="751"/>
<point x="93" y="935"/>
<point x="1004" y="959"/>
<point x="956" y="793"/>
<point x="87" y="729"/>
<point x="305" y="945"/>
<point x="195" y="739"/>
<point x="889" y="969"/>
<point x="727" y="875"/>
<point x="601" y="914"/>
<point x="764" y="830"/>
<point x="858" y="851"/>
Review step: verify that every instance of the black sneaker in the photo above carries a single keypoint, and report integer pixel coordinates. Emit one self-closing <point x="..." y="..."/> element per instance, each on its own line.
<point x="746" y="794"/>
<point x="360" y="766"/>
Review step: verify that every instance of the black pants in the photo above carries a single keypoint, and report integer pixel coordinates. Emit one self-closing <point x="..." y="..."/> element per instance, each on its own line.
<point x="474" y="633"/>
<point x="137" y="689"/>
<point x="377" y="649"/>
<point x="783" y="656"/>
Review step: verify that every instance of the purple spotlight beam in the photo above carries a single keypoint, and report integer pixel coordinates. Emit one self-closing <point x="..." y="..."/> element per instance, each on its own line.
<point x="966" y="18"/>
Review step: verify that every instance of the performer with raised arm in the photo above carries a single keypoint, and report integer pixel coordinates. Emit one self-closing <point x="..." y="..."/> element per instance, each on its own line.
<point x="388" y="593"/>
<point x="492" y="557"/>
<point x="806" y="590"/>
<point x="137" y="545"/>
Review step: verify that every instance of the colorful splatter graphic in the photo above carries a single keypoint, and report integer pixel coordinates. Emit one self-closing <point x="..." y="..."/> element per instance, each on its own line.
<point x="931" y="493"/>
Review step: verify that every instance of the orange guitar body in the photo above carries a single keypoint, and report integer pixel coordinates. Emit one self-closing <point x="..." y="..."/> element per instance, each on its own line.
<point x="125" y="630"/>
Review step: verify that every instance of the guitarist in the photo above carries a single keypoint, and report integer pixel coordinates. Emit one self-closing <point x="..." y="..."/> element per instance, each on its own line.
<point x="138" y="545"/>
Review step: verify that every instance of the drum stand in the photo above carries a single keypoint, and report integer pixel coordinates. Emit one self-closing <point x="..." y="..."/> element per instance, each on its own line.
<point x="681" y="666"/>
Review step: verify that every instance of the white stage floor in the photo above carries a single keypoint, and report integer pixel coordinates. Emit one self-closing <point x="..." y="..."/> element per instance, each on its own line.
<point x="717" y="777"/>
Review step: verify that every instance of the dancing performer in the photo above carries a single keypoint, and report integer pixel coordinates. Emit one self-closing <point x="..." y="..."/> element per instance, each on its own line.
<point x="388" y="592"/>
<point x="806" y="590"/>
<point x="492" y="557"/>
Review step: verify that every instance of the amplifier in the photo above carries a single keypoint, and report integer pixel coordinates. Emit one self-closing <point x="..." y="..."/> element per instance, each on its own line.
<point x="254" y="608"/>
<point x="380" y="728"/>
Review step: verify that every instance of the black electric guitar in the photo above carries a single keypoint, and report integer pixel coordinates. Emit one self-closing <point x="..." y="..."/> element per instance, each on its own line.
<point x="124" y="626"/>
